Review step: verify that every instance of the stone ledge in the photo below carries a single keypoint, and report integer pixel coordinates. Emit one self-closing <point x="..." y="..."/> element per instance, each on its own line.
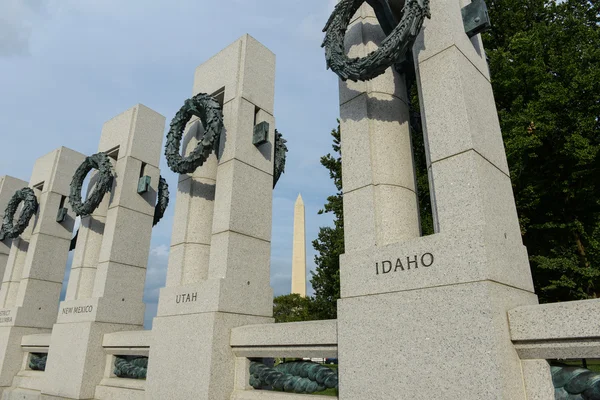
<point x="557" y="321"/>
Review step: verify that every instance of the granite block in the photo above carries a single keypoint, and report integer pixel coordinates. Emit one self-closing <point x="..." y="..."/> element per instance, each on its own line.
<point x="558" y="349"/>
<point x="243" y="200"/>
<point x="441" y="336"/>
<point x="194" y="206"/>
<point x="461" y="110"/>
<point x="66" y="163"/>
<point x="119" y="281"/>
<point x="147" y="135"/>
<point x="240" y="117"/>
<point x="11" y="355"/>
<point x="202" y="336"/>
<point x="188" y="263"/>
<point x="43" y="170"/>
<point x="445" y="30"/>
<point x="137" y="132"/>
<point x="49" y="205"/>
<point x="435" y="260"/>
<point x="81" y="283"/>
<point x="362" y="37"/>
<point x="556" y="321"/>
<point x="469" y="191"/>
<point x="376" y="142"/>
<point x="76" y="351"/>
<point x="379" y="215"/>
<point x="538" y="380"/>
<point x="126" y="238"/>
<point x="286" y="334"/>
<point x="47" y="259"/>
<point x="128" y="171"/>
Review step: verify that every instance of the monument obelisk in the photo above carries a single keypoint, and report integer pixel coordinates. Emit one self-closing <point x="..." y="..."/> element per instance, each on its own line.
<point x="299" y="250"/>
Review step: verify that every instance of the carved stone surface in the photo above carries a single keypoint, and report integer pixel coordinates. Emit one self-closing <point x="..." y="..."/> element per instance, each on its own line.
<point x="209" y="111"/>
<point x="393" y="49"/>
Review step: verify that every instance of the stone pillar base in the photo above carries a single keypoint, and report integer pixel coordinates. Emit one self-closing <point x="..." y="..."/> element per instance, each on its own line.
<point x="11" y="356"/>
<point x="448" y="342"/>
<point x="194" y="351"/>
<point x="76" y="352"/>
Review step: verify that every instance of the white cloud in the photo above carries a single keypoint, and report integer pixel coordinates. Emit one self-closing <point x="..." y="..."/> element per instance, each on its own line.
<point x="17" y="18"/>
<point x="160" y="251"/>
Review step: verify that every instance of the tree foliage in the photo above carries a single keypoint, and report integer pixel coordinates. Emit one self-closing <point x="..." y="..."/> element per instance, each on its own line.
<point x="330" y="241"/>
<point x="545" y="66"/>
<point x="291" y="308"/>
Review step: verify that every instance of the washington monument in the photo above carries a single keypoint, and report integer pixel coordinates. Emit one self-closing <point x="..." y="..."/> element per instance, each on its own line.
<point x="299" y="250"/>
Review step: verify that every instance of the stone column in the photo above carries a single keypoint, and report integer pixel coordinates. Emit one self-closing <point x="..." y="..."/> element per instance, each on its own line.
<point x="299" y="250"/>
<point x="380" y="201"/>
<point x="87" y="250"/>
<point x="134" y="140"/>
<point x="8" y="187"/>
<point x="32" y="285"/>
<point x="190" y="241"/>
<point x="236" y="289"/>
<point x="435" y="308"/>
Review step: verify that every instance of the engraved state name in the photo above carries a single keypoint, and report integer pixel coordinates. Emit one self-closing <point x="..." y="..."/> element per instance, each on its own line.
<point x="78" y="310"/>
<point x="404" y="263"/>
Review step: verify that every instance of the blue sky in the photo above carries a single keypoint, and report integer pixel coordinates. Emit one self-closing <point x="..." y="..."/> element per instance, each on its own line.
<point x="67" y="66"/>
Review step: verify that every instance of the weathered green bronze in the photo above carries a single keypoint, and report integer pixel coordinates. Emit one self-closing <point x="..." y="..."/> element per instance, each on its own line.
<point x="10" y="229"/>
<point x="209" y="111"/>
<point x="476" y="18"/>
<point x="62" y="214"/>
<point x="37" y="361"/>
<point x="132" y="367"/>
<point x="392" y="50"/>
<point x="295" y="377"/>
<point x="261" y="133"/>
<point x="280" y="157"/>
<point x="162" y="200"/>
<point x="103" y="184"/>
<point x="575" y="383"/>
<point x="143" y="184"/>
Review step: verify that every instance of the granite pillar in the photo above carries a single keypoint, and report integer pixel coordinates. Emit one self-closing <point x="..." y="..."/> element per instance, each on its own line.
<point x="33" y="280"/>
<point x="434" y="308"/>
<point x="133" y="140"/>
<point x="199" y="312"/>
<point x="380" y="201"/>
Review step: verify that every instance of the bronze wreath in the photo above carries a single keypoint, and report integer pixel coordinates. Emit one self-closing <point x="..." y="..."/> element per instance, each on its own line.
<point x="105" y="176"/>
<point x="209" y="111"/>
<point x="10" y="229"/>
<point x="280" y="157"/>
<point x="392" y="50"/>
<point x="162" y="200"/>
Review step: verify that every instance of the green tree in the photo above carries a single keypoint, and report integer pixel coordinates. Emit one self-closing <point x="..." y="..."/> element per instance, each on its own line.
<point x="545" y="66"/>
<point x="291" y="308"/>
<point x="330" y="241"/>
